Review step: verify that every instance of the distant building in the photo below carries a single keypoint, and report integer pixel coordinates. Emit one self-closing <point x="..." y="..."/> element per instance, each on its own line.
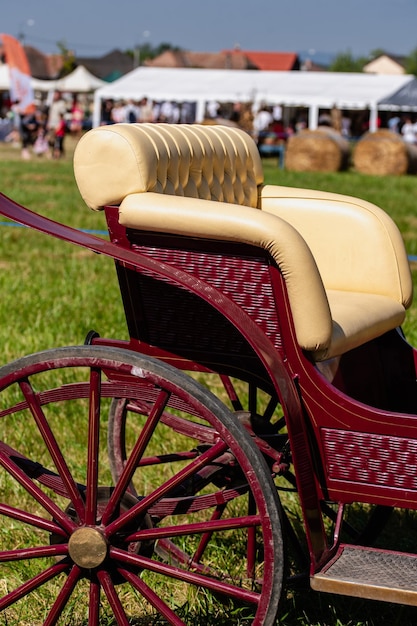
<point x="235" y="59"/>
<point x="115" y="64"/>
<point x="200" y="60"/>
<point x="386" y="64"/>
<point x="108" y="67"/>
<point x="43" y="66"/>
<point x="273" y="61"/>
<point x="308" y="65"/>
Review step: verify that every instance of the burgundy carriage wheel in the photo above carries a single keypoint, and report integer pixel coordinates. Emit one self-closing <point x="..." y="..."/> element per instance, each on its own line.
<point x="198" y="540"/>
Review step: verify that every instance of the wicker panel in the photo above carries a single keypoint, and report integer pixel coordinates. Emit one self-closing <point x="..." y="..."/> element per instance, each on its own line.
<point x="178" y="321"/>
<point x="244" y="280"/>
<point x="378" y="460"/>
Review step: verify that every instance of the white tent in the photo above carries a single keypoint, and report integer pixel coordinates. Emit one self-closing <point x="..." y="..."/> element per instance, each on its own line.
<point x="46" y="86"/>
<point x="79" y="81"/>
<point x="313" y="90"/>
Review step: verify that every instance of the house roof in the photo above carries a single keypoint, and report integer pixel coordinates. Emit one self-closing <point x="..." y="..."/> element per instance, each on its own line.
<point x="397" y="58"/>
<point x="115" y="64"/>
<point x="270" y="61"/>
<point x="226" y="59"/>
<point x="230" y="60"/>
<point x="235" y="59"/>
<point x="168" y="58"/>
<point x="43" y="66"/>
<point x="392" y="58"/>
<point x="108" y="67"/>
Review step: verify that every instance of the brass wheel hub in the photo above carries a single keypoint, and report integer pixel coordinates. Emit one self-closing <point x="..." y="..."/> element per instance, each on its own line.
<point x="87" y="547"/>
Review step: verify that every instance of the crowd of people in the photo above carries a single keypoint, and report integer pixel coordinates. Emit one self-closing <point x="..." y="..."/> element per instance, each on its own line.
<point x="241" y="114"/>
<point x="143" y="110"/>
<point x="40" y="129"/>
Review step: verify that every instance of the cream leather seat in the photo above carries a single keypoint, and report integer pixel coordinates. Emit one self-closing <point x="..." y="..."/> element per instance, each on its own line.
<point x="343" y="259"/>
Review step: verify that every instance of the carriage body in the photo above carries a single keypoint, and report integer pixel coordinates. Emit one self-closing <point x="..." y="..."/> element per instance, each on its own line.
<point x="298" y="296"/>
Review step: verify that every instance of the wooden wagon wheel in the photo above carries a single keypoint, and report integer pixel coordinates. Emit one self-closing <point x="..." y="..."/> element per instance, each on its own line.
<point x="198" y="542"/>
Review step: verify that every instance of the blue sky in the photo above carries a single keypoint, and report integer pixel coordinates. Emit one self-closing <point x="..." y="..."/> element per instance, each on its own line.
<point x="94" y="27"/>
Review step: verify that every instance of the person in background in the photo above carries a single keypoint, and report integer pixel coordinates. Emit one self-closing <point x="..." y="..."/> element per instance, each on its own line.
<point x="15" y="116"/>
<point x="28" y="131"/>
<point x="145" y="110"/>
<point x="106" y="113"/>
<point x="57" y="108"/>
<point x="394" y="124"/>
<point x="261" y="121"/>
<point x="346" y="125"/>
<point x="408" y="130"/>
<point x="118" y="113"/>
<point x="77" y="116"/>
<point x="131" y="112"/>
<point x="60" y="130"/>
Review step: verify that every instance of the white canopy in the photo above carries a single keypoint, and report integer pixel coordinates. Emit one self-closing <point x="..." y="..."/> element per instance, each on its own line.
<point x="80" y="80"/>
<point x="312" y="90"/>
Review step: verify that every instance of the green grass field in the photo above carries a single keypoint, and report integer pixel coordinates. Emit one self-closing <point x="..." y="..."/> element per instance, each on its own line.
<point x="53" y="293"/>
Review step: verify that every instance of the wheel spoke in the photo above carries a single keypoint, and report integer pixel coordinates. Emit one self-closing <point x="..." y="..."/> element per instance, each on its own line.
<point x="136" y="454"/>
<point x="30" y="585"/>
<point x="162" y="459"/>
<point x="63" y="596"/>
<point x="93" y="446"/>
<point x="94" y="604"/>
<point x="113" y="598"/>
<point x="251" y="544"/>
<point x="152" y="598"/>
<point x="36" y="493"/>
<point x="33" y="553"/>
<point x="231" y="392"/>
<point x="33" y="520"/>
<point x="53" y="447"/>
<point x="174" y="555"/>
<point x="208" y="532"/>
<point x="195" y="528"/>
<point x="37" y="471"/>
<point x="215" y="585"/>
<point x="200" y="432"/>
<point x="166" y="487"/>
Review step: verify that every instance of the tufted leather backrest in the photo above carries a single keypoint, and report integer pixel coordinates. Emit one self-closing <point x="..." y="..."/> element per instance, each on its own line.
<point x="206" y="162"/>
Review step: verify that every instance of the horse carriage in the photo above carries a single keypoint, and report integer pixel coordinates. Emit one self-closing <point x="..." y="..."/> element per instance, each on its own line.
<point x="265" y="369"/>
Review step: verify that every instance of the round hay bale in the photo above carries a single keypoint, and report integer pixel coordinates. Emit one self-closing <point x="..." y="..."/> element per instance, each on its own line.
<point x="384" y="153"/>
<point x="321" y="150"/>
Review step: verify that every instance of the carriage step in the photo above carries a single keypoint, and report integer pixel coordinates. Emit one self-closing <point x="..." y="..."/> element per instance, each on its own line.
<point x="370" y="573"/>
